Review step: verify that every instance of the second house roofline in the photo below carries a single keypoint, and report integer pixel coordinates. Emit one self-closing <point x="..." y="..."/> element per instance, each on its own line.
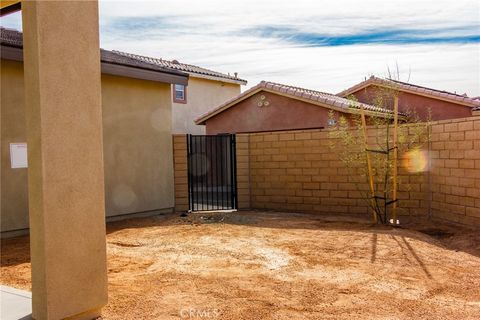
<point x="319" y="98"/>
<point x="412" y="88"/>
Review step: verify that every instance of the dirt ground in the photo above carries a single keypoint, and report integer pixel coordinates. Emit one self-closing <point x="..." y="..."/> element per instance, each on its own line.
<point x="271" y="265"/>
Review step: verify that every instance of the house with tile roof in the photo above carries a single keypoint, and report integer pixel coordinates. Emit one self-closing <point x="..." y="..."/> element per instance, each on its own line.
<point x="137" y="111"/>
<point x="414" y="99"/>
<point x="270" y="106"/>
<point x="205" y="89"/>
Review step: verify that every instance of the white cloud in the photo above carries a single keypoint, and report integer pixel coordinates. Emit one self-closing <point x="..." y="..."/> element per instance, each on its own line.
<point x="208" y="35"/>
<point x="213" y="34"/>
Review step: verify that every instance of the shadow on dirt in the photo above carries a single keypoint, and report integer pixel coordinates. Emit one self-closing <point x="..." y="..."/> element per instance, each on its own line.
<point x="442" y="234"/>
<point x="16" y="251"/>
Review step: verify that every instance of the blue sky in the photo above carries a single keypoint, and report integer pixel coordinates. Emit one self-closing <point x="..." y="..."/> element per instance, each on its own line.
<point x="323" y="45"/>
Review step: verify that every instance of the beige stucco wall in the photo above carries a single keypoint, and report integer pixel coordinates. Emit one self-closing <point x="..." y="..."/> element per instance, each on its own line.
<point x="137" y="143"/>
<point x="14" y="197"/>
<point x="202" y="95"/>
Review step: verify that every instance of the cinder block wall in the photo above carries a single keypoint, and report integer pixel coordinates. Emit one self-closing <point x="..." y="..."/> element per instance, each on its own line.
<point x="243" y="170"/>
<point x="298" y="171"/>
<point x="180" y="172"/>
<point x="455" y="181"/>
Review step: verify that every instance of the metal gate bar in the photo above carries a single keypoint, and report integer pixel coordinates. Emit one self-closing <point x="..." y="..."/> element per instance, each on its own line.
<point x="212" y="172"/>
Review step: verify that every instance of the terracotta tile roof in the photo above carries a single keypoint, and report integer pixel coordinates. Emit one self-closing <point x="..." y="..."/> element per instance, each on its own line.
<point x="11" y="37"/>
<point x="404" y="86"/>
<point x="194" y="71"/>
<point x="317" y="97"/>
<point x="115" y="58"/>
<point x="14" y="38"/>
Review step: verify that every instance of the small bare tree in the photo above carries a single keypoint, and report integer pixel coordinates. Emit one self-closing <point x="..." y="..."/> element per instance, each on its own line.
<point x="371" y="155"/>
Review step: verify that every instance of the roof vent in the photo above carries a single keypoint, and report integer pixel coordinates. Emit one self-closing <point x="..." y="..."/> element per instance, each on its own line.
<point x="175" y="62"/>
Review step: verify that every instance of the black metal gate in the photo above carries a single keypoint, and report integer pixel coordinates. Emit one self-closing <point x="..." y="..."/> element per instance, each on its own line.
<point x="212" y="177"/>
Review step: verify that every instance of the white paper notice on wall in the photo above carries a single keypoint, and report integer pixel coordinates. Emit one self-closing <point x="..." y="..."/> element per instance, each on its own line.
<point x="18" y="155"/>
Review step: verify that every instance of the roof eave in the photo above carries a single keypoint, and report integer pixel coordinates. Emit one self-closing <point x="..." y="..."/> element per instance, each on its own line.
<point x="219" y="79"/>
<point x="9" y="7"/>
<point x="143" y="74"/>
<point x="172" y="77"/>
<point x="11" y="52"/>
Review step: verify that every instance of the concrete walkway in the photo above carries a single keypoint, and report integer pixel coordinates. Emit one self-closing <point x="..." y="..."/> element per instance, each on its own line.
<point x="15" y="304"/>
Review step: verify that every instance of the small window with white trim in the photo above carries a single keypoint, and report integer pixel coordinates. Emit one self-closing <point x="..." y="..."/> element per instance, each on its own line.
<point x="179" y="93"/>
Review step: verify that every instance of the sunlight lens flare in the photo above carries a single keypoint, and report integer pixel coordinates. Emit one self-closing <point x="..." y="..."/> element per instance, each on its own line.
<point x="416" y="160"/>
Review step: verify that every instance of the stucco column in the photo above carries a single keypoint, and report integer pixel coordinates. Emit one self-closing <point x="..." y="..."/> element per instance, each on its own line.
<point x="65" y="157"/>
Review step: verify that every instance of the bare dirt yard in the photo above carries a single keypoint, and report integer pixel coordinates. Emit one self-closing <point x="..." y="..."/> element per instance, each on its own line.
<point x="272" y="265"/>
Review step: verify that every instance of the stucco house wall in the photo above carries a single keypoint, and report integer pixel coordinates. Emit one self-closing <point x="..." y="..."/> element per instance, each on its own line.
<point x="202" y="94"/>
<point x="420" y="105"/>
<point x="282" y="113"/>
<point x="270" y="106"/>
<point x="137" y="145"/>
<point x="14" y="193"/>
<point x="138" y="153"/>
